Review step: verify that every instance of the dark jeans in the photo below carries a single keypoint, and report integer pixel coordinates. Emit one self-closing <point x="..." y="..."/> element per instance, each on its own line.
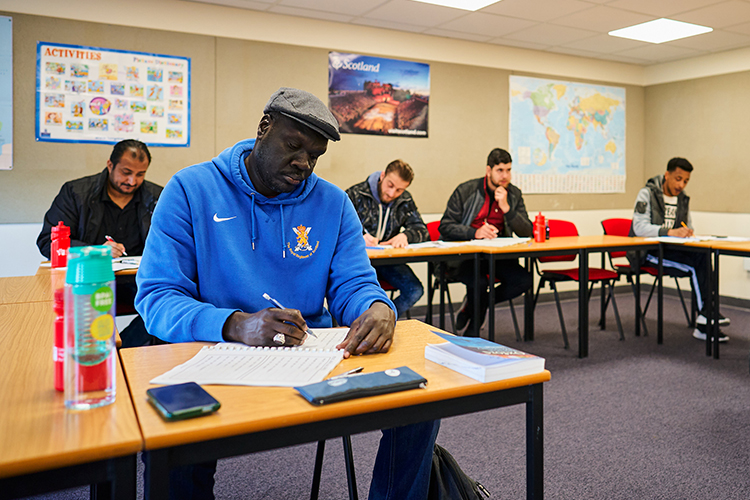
<point x="403" y="279"/>
<point x="514" y="280"/>
<point x="401" y="471"/>
<point x="695" y="263"/>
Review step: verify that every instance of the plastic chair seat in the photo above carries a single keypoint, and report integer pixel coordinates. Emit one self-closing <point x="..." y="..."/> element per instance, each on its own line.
<point x="595" y="274"/>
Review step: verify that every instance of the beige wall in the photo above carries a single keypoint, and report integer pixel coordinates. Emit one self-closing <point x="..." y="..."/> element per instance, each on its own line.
<point x="704" y="120"/>
<point x="232" y="80"/>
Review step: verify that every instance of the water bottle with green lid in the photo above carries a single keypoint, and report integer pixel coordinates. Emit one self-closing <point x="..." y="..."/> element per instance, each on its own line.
<point x="89" y="328"/>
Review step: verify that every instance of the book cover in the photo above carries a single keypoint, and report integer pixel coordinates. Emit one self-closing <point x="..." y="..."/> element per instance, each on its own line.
<point x="481" y="359"/>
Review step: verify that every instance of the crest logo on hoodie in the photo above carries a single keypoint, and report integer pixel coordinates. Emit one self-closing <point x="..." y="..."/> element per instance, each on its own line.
<point x="303" y="249"/>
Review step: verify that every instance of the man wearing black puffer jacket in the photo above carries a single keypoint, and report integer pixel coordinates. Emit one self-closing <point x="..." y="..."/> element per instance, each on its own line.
<point x="487" y="208"/>
<point x="111" y="208"/>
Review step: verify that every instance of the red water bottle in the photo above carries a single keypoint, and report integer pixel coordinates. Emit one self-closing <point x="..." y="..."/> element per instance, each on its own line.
<point x="540" y="229"/>
<point x="60" y="244"/>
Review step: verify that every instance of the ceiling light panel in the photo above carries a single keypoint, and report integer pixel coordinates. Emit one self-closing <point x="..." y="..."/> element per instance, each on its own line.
<point x="471" y="5"/>
<point x="660" y="31"/>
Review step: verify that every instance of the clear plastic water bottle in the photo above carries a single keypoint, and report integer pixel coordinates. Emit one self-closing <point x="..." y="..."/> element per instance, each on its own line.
<point x="89" y="328"/>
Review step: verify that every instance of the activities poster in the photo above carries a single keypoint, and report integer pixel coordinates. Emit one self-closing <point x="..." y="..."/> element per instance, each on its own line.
<point x="6" y="93"/>
<point x="90" y="94"/>
<point x="567" y="137"/>
<point x="374" y="95"/>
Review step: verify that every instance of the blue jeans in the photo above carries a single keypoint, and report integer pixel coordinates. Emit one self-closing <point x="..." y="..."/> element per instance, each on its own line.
<point x="403" y="279"/>
<point x="401" y="472"/>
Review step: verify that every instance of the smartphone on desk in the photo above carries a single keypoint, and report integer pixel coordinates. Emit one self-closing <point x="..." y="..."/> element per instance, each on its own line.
<point x="181" y="401"/>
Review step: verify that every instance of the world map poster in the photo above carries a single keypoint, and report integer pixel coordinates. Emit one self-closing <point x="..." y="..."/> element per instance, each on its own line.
<point x="567" y="137"/>
<point x="90" y="94"/>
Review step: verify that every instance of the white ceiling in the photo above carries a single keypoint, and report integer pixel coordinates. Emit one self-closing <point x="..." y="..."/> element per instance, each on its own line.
<point x="575" y="27"/>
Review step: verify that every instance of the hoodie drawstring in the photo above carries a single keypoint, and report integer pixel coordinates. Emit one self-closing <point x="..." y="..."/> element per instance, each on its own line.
<point x="283" y="248"/>
<point x="252" y="219"/>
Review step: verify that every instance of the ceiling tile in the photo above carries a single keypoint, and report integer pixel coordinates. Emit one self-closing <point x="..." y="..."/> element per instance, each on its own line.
<point x="602" y="19"/>
<point x="377" y="23"/>
<point x="573" y="52"/>
<point x="242" y="4"/>
<point x="538" y="10"/>
<point x="519" y="43"/>
<point x="623" y="59"/>
<point x="739" y="28"/>
<point x="604" y="44"/>
<point x="660" y="8"/>
<point x="456" y="34"/>
<point x="343" y="7"/>
<point x="315" y="14"/>
<point x="659" y="52"/>
<point x="714" y="41"/>
<point x="487" y="24"/>
<point x="550" y="34"/>
<point x="718" y="15"/>
<point x="415" y="13"/>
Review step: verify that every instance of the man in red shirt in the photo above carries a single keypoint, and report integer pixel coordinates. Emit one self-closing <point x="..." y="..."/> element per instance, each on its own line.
<point x="487" y="208"/>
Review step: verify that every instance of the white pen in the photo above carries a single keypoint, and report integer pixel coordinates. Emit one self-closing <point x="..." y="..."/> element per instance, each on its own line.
<point x="278" y="304"/>
<point x="347" y="374"/>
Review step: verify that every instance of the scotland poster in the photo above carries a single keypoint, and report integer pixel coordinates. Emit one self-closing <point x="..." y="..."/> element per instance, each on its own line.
<point x="90" y="94"/>
<point x="374" y="95"/>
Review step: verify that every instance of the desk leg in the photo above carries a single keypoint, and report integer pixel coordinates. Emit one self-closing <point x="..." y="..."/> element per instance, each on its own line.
<point x="430" y="291"/>
<point x="156" y="475"/>
<point x="122" y="471"/>
<point x="603" y="299"/>
<point x="534" y="444"/>
<point x="443" y="286"/>
<point x="528" y="304"/>
<point x="637" y="276"/>
<point x="583" y="303"/>
<point x="491" y="308"/>
<point x="713" y="311"/>
<point x="660" y="298"/>
<point x="477" y="291"/>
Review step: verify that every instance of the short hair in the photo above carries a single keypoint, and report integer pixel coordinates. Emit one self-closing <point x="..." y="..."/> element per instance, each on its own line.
<point x="402" y="169"/>
<point x="123" y="146"/>
<point x="676" y="163"/>
<point x="498" y="156"/>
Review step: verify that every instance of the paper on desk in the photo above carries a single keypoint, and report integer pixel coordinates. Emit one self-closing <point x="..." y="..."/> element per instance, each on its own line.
<point x="500" y="242"/>
<point x="122" y="263"/>
<point x="731" y="239"/>
<point x="673" y="239"/>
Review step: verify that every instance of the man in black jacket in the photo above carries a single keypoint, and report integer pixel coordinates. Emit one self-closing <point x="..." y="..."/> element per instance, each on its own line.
<point x="112" y="208"/>
<point x="117" y="202"/>
<point x="385" y="207"/>
<point x="487" y="208"/>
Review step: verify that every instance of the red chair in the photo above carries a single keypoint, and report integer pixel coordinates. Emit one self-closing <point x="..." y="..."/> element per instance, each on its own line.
<point x="605" y="277"/>
<point x="621" y="227"/>
<point x="433" y="228"/>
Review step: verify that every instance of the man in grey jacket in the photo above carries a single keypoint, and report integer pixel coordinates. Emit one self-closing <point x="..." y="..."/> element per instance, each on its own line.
<point x="663" y="209"/>
<point x="487" y="208"/>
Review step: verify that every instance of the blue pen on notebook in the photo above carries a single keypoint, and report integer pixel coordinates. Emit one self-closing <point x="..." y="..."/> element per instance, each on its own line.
<point x="278" y="304"/>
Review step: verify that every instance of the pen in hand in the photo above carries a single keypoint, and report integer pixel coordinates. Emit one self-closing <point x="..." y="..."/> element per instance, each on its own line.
<point x="278" y="304"/>
<point x="109" y="238"/>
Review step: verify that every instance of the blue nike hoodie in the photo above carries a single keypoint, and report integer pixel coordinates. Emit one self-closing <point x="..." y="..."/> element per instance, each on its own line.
<point x="216" y="246"/>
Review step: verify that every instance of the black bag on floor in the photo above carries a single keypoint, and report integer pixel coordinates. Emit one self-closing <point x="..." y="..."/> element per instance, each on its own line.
<point x="449" y="482"/>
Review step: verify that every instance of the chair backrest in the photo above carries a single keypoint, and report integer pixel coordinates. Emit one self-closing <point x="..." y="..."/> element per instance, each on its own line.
<point x="617" y="227"/>
<point x="433" y="228"/>
<point x="559" y="228"/>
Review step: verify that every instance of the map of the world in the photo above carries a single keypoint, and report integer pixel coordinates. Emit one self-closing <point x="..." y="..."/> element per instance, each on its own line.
<point x="567" y="137"/>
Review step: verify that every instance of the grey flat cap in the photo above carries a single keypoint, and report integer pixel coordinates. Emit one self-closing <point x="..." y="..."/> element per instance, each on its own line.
<point x="305" y="108"/>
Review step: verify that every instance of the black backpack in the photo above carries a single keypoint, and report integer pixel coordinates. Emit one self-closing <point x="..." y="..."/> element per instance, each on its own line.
<point x="449" y="482"/>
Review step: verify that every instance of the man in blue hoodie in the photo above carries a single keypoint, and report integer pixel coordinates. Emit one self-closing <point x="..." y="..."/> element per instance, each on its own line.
<point x="256" y="220"/>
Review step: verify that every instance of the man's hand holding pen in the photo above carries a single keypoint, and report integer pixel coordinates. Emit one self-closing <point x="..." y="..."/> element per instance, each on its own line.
<point x="260" y="329"/>
<point x="372" y="332"/>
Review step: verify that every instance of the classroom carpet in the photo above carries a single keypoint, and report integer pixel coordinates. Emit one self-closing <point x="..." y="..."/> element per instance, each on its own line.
<point x="634" y="420"/>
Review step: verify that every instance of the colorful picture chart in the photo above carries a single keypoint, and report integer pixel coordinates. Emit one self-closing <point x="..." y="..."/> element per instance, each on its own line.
<point x="6" y="93"/>
<point x="90" y="94"/>
<point x="375" y="95"/>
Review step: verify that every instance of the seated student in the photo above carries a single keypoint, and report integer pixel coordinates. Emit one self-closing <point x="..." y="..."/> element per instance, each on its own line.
<point x="385" y="207"/>
<point x="116" y="203"/>
<point x="487" y="208"/>
<point x="663" y="209"/>
<point x="256" y="220"/>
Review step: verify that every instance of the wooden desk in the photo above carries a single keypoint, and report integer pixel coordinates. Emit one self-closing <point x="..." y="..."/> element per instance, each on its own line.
<point x="583" y="246"/>
<point x="20" y="289"/>
<point x="254" y="419"/>
<point x="44" y="446"/>
<point x="431" y="256"/>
